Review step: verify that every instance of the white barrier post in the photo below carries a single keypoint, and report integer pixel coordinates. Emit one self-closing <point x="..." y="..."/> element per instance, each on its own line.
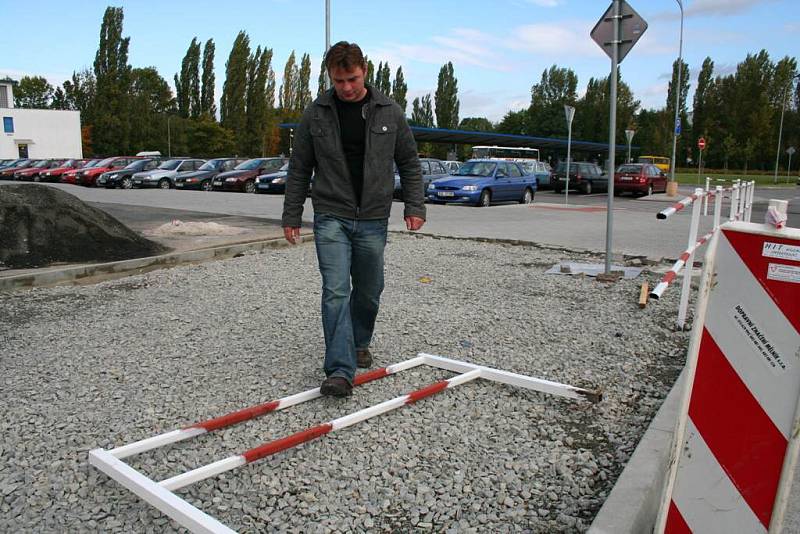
<point x="687" y="270"/>
<point x="717" y="206"/>
<point x="734" y="201"/>
<point x="742" y="200"/>
<point x="750" y="201"/>
<point x="705" y="199"/>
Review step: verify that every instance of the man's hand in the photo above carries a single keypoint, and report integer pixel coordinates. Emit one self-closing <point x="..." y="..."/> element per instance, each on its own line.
<point x="292" y="234"/>
<point x="414" y="223"/>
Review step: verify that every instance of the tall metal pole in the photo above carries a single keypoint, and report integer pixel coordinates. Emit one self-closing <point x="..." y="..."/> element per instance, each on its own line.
<point x="789" y="151"/>
<point x="169" y="139"/>
<point x="327" y="37"/>
<point x="629" y="137"/>
<point x="780" y="129"/>
<point x="677" y="90"/>
<point x="569" y="111"/>
<point x="612" y="135"/>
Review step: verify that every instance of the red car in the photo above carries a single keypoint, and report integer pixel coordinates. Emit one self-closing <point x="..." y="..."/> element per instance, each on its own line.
<point x="69" y="177"/>
<point x="639" y="179"/>
<point x="243" y="176"/>
<point x="33" y="172"/>
<point x="8" y="173"/>
<point x="54" y="174"/>
<point x="88" y="177"/>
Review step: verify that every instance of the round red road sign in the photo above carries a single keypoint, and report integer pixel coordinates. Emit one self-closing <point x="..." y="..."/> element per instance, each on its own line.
<point x="701" y="143"/>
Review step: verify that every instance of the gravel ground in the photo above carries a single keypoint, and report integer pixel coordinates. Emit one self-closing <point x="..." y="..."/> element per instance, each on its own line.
<point x="107" y="364"/>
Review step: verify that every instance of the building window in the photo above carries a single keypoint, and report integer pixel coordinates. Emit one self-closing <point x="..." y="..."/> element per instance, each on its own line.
<point x="3" y="96"/>
<point x="8" y="124"/>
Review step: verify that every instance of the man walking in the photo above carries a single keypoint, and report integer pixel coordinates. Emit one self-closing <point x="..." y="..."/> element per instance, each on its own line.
<point x="349" y="138"/>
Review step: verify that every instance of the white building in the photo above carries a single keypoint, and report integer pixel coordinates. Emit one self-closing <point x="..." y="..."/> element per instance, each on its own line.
<point x="37" y="133"/>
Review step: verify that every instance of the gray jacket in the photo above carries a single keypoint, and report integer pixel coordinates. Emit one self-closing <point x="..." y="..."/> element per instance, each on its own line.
<point x="317" y="148"/>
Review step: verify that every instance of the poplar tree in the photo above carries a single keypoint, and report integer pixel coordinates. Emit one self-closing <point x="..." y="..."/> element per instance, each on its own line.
<point x="111" y="128"/>
<point x="370" y="76"/>
<point x="447" y="98"/>
<point x="303" y="84"/>
<point x="400" y="89"/>
<point x="234" y="91"/>
<point x="207" y="104"/>
<point x="187" y="83"/>
<point x="422" y="113"/>
<point x="323" y="76"/>
<point x="288" y="96"/>
<point x="258" y="69"/>
<point x="383" y="80"/>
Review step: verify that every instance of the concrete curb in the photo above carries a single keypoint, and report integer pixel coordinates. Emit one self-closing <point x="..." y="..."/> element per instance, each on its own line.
<point x="118" y="269"/>
<point x="632" y="506"/>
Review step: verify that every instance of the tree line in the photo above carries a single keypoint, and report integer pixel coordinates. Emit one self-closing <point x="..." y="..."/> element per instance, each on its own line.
<point x="126" y="109"/>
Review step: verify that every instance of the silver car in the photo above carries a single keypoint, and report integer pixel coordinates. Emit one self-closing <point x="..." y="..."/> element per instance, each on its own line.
<point x="164" y="175"/>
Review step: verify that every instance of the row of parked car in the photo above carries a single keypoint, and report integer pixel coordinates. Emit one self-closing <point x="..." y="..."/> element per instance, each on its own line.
<point x="479" y="181"/>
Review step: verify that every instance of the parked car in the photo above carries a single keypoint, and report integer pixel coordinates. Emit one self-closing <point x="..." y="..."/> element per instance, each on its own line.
<point x="243" y="176"/>
<point x="202" y="177"/>
<point x="451" y="166"/>
<point x="541" y="170"/>
<point x="124" y="177"/>
<point x="54" y="174"/>
<point x="432" y="169"/>
<point x="274" y="182"/>
<point x="584" y="176"/>
<point x="31" y="174"/>
<point x="70" y="177"/>
<point x="88" y="177"/>
<point x="163" y="175"/>
<point x="6" y="163"/>
<point x="639" y="179"/>
<point x="483" y="181"/>
<point x="8" y="172"/>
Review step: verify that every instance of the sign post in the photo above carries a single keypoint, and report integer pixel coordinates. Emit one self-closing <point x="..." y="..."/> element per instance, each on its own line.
<point x="629" y="137"/>
<point x="789" y="151"/>
<point x="616" y="32"/>
<point x="701" y="145"/>
<point x="569" y="111"/>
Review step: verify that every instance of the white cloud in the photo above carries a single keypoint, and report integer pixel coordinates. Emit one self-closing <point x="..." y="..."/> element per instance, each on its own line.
<point x="546" y="3"/>
<point x="712" y="8"/>
<point x="566" y="38"/>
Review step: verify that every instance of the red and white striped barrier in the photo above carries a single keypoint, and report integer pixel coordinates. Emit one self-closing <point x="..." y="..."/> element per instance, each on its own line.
<point x="737" y="442"/>
<point x="676" y="268"/>
<point x="160" y="494"/>
<point x="678" y="206"/>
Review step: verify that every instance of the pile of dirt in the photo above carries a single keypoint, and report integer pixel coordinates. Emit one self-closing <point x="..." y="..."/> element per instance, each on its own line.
<point x="41" y="225"/>
<point x="180" y="228"/>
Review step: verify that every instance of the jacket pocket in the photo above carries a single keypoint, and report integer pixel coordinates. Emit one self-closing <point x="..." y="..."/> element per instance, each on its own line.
<point x="382" y="139"/>
<point x="323" y="139"/>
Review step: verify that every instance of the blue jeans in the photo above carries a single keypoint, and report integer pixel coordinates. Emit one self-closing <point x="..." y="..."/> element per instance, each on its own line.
<point x="349" y="249"/>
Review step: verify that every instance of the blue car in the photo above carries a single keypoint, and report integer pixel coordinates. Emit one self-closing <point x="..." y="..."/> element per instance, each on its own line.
<point x="273" y="182"/>
<point x="482" y="181"/>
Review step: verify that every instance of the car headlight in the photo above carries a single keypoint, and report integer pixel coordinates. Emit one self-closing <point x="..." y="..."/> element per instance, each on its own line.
<point x="190" y="180"/>
<point x="47" y="174"/>
<point x="431" y="187"/>
<point x="470" y="188"/>
<point x="279" y="181"/>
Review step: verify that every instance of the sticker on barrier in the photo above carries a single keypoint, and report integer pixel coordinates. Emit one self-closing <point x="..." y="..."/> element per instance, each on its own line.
<point x="736" y="443"/>
<point x="160" y="494"/>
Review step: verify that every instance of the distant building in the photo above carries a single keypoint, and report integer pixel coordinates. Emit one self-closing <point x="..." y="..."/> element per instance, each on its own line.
<point x="37" y="133"/>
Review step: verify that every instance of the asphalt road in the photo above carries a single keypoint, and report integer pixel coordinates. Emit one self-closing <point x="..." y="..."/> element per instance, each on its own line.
<point x="579" y="225"/>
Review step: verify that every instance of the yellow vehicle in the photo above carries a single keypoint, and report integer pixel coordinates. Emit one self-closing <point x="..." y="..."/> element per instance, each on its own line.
<point x="659" y="161"/>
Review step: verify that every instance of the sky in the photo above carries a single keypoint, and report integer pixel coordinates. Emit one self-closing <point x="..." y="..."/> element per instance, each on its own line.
<point x="499" y="48"/>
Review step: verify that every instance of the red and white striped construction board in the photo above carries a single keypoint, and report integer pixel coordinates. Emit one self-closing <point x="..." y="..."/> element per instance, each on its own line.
<point x="743" y="371"/>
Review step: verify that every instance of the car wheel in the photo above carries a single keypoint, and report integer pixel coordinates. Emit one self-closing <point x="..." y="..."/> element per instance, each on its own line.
<point x="587" y="188"/>
<point x="617" y="193"/>
<point x="486" y="199"/>
<point x="527" y="196"/>
<point x="163" y="183"/>
<point x="249" y="186"/>
<point x="206" y="186"/>
<point x="127" y="183"/>
<point x="37" y="178"/>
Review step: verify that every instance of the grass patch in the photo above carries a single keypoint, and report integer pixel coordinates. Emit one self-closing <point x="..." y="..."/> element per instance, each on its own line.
<point x="688" y="178"/>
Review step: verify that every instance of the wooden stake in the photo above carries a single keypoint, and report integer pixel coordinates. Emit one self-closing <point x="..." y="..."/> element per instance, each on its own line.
<point x="643" y="294"/>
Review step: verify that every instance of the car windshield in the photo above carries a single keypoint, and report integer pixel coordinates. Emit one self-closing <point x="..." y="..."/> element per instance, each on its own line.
<point x="22" y="162"/>
<point x="170" y="165"/>
<point x="211" y="165"/>
<point x="138" y="164"/>
<point x="635" y="169"/>
<point x="40" y="164"/>
<point x="91" y="163"/>
<point x="249" y="165"/>
<point x="104" y="163"/>
<point x="68" y="163"/>
<point x="476" y="168"/>
<point x="285" y="167"/>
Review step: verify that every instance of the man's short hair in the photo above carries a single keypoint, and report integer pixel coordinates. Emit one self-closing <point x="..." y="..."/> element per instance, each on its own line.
<point x="344" y="55"/>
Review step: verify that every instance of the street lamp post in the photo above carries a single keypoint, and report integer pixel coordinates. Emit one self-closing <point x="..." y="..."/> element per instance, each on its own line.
<point x="789" y="151"/>
<point x="169" y="139"/>
<point x="780" y="129"/>
<point x="677" y="90"/>
<point x="629" y="136"/>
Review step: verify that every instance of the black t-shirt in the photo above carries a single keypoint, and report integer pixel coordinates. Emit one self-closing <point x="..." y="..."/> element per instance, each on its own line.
<point x="353" y="123"/>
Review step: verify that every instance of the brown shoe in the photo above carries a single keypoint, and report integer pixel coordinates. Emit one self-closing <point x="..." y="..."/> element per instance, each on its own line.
<point x="336" y="386"/>
<point x="363" y="358"/>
